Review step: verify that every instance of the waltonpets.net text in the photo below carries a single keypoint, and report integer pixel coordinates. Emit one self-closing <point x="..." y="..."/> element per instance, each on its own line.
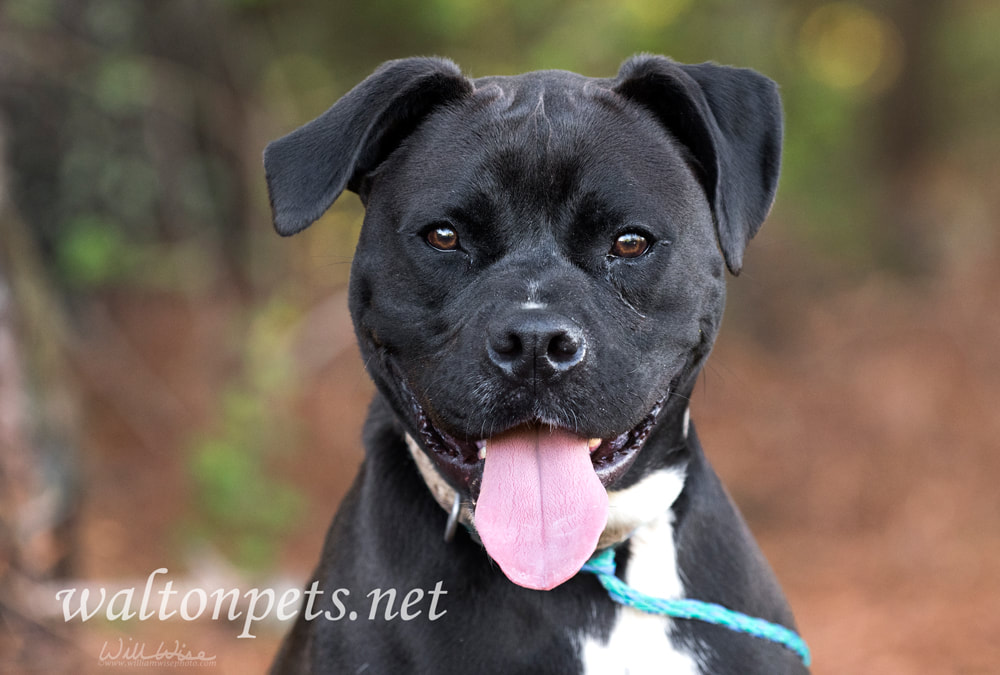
<point x="194" y="603"/>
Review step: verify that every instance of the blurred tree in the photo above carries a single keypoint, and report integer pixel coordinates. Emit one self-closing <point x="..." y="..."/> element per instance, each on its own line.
<point x="128" y="138"/>
<point x="39" y="483"/>
<point x="908" y="140"/>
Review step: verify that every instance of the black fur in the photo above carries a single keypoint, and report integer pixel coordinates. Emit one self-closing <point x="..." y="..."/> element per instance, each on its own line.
<point x="537" y="174"/>
<point x="309" y="168"/>
<point x="730" y="119"/>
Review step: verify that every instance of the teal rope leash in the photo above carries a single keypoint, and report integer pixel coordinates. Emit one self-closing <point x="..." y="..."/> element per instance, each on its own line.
<point x="603" y="566"/>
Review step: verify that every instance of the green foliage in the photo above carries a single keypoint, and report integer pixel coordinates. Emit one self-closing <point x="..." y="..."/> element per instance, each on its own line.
<point x="149" y="88"/>
<point x="241" y="505"/>
<point x="122" y="84"/>
<point x="113" y="22"/>
<point x="91" y="251"/>
<point x="150" y="96"/>
<point x="968" y="44"/>
<point x="32" y="14"/>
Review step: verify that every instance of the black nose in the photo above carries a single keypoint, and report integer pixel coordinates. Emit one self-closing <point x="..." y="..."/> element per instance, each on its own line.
<point x="532" y="344"/>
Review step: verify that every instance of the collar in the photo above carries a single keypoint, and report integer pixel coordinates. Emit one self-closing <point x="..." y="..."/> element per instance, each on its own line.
<point x="444" y="494"/>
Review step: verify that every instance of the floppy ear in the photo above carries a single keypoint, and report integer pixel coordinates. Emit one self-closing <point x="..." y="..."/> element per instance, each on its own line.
<point x="730" y="121"/>
<point x="309" y="168"/>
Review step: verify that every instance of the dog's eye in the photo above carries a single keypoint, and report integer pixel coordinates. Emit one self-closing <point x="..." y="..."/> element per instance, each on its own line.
<point x="629" y="245"/>
<point x="443" y="238"/>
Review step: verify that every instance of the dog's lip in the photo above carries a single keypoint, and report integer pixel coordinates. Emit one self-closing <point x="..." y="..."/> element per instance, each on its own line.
<point x="462" y="461"/>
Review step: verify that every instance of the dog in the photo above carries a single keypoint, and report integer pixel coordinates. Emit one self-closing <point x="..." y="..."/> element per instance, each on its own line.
<point x="539" y="278"/>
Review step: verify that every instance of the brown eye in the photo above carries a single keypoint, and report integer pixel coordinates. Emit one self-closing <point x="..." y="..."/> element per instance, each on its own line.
<point x="443" y="238"/>
<point x="629" y="245"/>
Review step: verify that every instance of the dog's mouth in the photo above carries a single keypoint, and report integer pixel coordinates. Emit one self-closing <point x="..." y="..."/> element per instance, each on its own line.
<point x="463" y="461"/>
<point x="540" y="491"/>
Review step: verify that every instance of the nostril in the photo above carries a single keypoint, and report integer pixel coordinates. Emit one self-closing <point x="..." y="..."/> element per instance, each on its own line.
<point x="564" y="347"/>
<point x="506" y="344"/>
<point x="506" y="349"/>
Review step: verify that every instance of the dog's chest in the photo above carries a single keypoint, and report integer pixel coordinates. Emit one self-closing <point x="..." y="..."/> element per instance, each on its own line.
<point x="640" y="643"/>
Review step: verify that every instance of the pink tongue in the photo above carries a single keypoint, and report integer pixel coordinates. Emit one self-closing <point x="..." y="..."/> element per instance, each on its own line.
<point x="541" y="508"/>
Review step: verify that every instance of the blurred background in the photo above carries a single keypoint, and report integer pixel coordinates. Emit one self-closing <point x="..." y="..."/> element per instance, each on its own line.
<point x="179" y="387"/>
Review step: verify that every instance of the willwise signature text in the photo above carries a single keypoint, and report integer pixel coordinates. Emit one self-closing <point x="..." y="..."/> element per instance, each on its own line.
<point x="138" y="653"/>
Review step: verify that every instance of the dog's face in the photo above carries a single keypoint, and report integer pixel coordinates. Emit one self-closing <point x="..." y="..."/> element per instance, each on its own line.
<point x="520" y="267"/>
<point x="541" y="269"/>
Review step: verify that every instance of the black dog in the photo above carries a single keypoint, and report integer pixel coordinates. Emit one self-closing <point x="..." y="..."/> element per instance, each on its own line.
<point x="539" y="278"/>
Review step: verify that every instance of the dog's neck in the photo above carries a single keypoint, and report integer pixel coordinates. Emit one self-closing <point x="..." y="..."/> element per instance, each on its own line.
<point x="628" y="509"/>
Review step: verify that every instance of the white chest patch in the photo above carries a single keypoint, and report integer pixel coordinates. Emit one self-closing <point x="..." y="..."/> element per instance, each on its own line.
<point x="639" y="643"/>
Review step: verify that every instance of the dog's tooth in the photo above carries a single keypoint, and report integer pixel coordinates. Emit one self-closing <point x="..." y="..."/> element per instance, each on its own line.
<point x="593" y="444"/>
<point x="482" y="452"/>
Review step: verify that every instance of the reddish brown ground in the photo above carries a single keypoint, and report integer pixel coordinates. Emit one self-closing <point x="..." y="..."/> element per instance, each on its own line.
<point x="861" y="443"/>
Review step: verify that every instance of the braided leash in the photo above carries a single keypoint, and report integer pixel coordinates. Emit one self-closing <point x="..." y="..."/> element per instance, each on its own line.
<point x="603" y="566"/>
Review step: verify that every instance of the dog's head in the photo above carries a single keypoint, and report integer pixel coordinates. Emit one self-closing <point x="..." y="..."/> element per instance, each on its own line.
<point x="540" y="274"/>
